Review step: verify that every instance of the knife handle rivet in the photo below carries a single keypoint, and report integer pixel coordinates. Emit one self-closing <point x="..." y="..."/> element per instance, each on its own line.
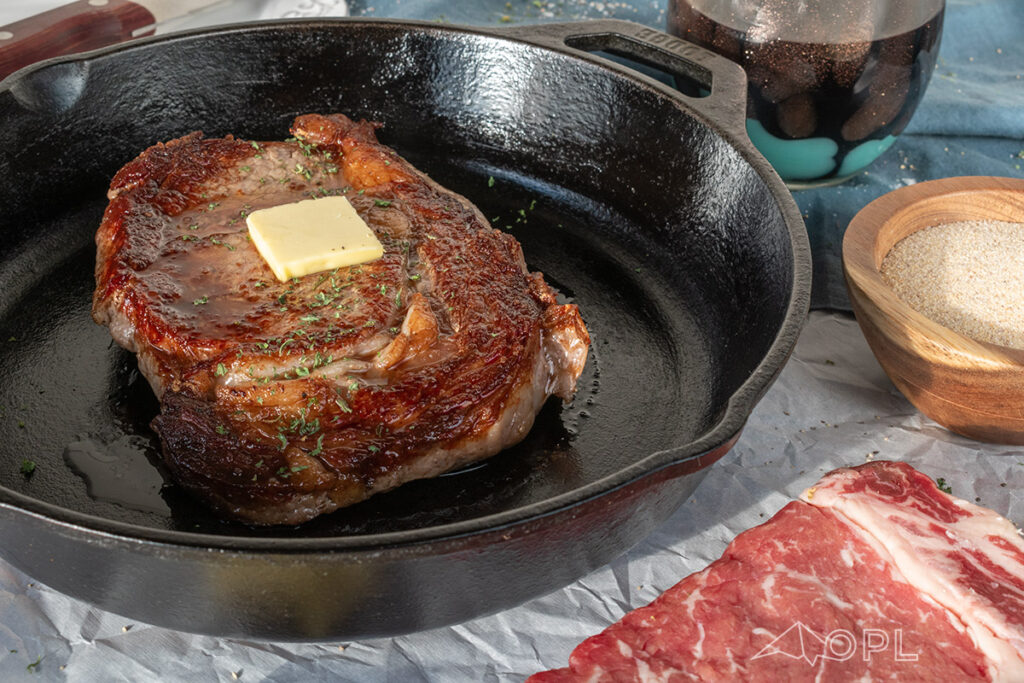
<point x="6" y="35"/>
<point x="98" y="3"/>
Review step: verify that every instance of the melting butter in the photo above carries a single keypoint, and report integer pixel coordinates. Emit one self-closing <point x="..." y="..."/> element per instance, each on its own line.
<point x="312" y="235"/>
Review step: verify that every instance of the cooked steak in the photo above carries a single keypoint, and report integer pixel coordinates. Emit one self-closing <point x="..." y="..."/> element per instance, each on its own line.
<point x="282" y="401"/>
<point x="875" y="575"/>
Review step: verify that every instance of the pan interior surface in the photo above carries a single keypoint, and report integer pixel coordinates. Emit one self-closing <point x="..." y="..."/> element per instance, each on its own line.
<point x="667" y="239"/>
<point x="76" y="405"/>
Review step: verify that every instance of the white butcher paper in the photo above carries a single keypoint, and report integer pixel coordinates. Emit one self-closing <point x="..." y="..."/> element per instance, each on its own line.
<point x="831" y="407"/>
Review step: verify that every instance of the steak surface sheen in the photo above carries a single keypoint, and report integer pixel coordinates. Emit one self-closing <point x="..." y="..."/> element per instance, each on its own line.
<point x="283" y="401"/>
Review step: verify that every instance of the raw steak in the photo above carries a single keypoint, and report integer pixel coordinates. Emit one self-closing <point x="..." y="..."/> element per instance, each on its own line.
<point x="874" y="575"/>
<point x="282" y="401"/>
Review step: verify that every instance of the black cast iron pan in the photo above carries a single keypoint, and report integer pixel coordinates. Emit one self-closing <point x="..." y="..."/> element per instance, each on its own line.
<point x="649" y="209"/>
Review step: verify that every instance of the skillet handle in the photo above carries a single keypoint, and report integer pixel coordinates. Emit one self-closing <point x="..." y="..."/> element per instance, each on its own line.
<point x="726" y="80"/>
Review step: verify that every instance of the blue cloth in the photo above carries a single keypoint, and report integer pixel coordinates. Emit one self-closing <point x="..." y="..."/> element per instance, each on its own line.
<point x="970" y="122"/>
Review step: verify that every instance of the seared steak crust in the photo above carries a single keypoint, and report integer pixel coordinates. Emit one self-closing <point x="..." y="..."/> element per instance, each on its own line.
<point x="282" y="401"/>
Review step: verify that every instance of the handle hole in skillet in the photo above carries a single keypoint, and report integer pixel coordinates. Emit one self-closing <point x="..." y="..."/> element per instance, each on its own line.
<point x="691" y="80"/>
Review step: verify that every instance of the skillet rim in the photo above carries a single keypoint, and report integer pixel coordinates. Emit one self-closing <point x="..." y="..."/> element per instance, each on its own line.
<point x="724" y="431"/>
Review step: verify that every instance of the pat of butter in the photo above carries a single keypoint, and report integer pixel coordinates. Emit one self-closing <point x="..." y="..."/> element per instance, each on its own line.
<point x="312" y="235"/>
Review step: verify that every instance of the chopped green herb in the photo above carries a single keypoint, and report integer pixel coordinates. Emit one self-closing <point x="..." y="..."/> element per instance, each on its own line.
<point x="943" y="486"/>
<point x="316" y="451"/>
<point x="343" y="405"/>
<point x="28" y="467"/>
<point x="373" y="449"/>
<point x="221" y="429"/>
<point x="212" y="205"/>
<point x="221" y="370"/>
<point x="245" y="169"/>
<point x="490" y="181"/>
<point x="283" y="440"/>
<point x="353" y="385"/>
<point x="31" y="668"/>
<point x="382" y="202"/>
<point x="200" y="301"/>
<point x="301" y="371"/>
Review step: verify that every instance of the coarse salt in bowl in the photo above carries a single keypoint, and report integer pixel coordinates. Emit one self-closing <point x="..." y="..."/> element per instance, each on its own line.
<point x="935" y="273"/>
<point x="967" y="276"/>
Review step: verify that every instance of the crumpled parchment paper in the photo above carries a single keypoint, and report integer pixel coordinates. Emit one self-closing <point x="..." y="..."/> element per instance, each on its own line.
<point x="832" y="406"/>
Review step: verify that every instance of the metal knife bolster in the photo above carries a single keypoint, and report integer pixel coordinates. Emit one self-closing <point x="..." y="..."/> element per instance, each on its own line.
<point x="162" y="10"/>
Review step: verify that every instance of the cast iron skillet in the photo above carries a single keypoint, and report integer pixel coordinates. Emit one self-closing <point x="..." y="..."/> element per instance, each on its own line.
<point x="649" y="209"/>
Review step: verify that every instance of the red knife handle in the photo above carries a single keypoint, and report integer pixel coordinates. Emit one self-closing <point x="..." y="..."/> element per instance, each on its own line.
<point x="82" y="25"/>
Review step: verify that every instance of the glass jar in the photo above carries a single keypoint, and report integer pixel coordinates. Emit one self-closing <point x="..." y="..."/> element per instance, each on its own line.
<point x="831" y="83"/>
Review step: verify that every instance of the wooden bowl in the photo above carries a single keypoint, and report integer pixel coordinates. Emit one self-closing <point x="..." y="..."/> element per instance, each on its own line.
<point x="970" y="387"/>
